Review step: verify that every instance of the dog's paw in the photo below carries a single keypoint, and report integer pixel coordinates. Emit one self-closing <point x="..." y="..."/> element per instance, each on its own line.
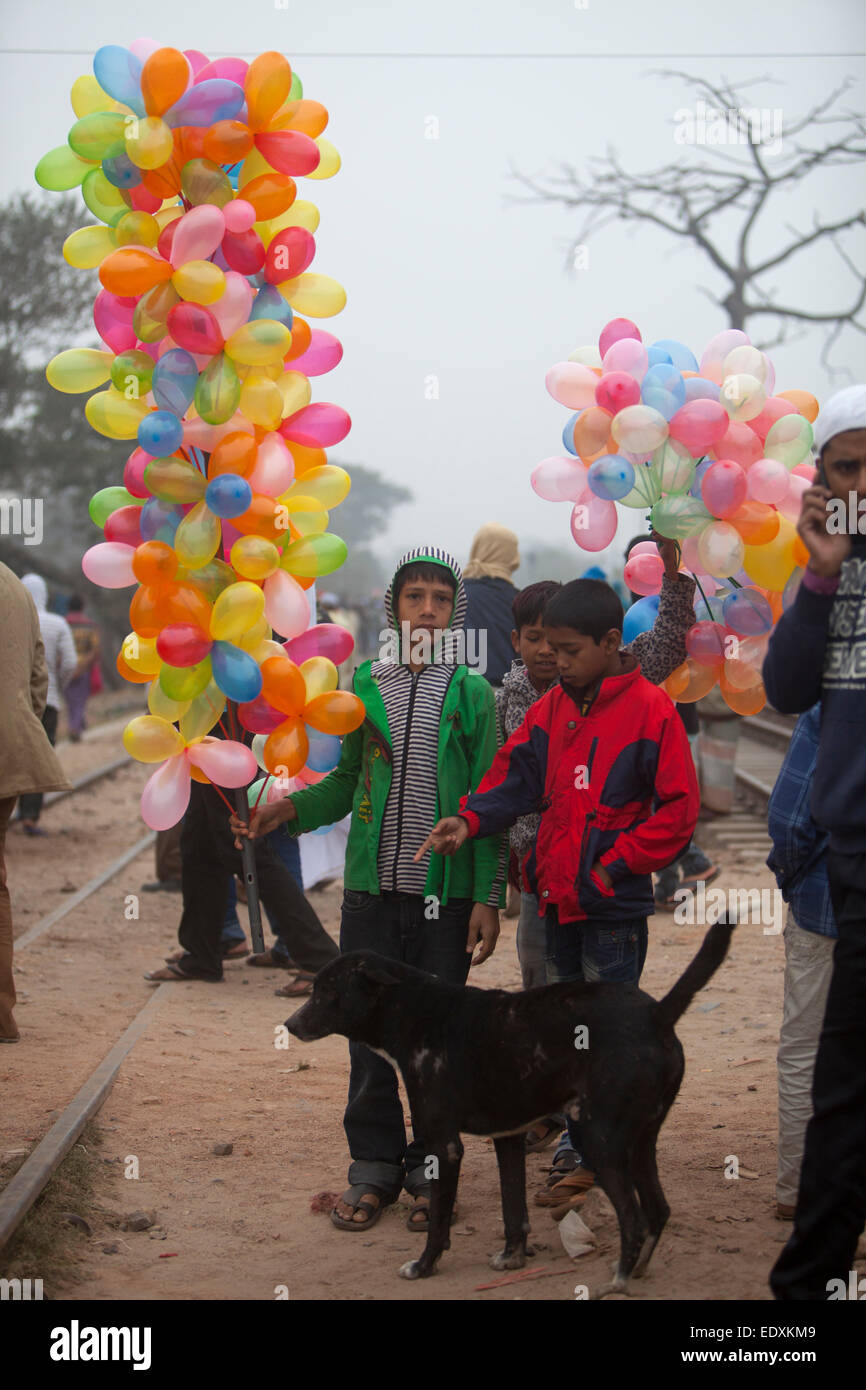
<point x="514" y="1259"/>
<point x="409" y="1270"/>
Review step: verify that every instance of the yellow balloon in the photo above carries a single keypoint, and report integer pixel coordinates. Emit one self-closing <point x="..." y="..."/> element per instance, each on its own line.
<point x="89" y="246"/>
<point x="253" y="167"/>
<point x="79" y="369"/>
<point x="203" y="712"/>
<point x="330" y="162"/>
<point x="320" y="676"/>
<point x="148" y="141"/>
<point x="258" y="633"/>
<point x="169" y="212"/>
<point x="159" y="703"/>
<point x="151" y="739"/>
<point x="771" y="565"/>
<point x="325" y="485"/>
<point x="254" y="557"/>
<point x="87" y="96"/>
<point x="261" y="400"/>
<point x="301" y="214"/>
<point x="316" y="296"/>
<point x="137" y="229"/>
<point x="197" y="538"/>
<point x="309" y="521"/>
<point x="140" y="654"/>
<point x="295" y="392"/>
<point x="259" y="342"/>
<point x="111" y="414"/>
<point x="199" y="281"/>
<point x="238" y="608"/>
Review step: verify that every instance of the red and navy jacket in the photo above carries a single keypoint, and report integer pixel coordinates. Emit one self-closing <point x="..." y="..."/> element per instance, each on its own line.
<point x="615" y="782"/>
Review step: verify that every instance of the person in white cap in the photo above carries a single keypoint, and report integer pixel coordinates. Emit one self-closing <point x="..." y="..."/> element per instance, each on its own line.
<point x="818" y="652"/>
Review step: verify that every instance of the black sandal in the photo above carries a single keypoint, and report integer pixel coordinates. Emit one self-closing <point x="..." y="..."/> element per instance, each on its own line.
<point x="353" y="1198"/>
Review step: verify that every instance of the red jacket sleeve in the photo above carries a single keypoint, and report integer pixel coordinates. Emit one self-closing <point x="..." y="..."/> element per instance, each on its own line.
<point x="656" y="842"/>
<point x="514" y="784"/>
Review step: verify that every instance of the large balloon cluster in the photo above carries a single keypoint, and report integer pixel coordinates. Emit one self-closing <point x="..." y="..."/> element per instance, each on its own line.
<point x="203" y="249"/>
<point x="717" y="460"/>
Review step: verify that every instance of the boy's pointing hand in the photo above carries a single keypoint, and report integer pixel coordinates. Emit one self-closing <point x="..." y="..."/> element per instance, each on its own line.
<point x="446" y="837"/>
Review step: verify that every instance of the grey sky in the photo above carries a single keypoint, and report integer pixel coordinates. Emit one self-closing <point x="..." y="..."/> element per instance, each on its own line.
<point x="444" y="278"/>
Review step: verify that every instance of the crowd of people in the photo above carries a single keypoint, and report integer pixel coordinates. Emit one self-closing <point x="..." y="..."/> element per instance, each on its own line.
<point x="547" y="765"/>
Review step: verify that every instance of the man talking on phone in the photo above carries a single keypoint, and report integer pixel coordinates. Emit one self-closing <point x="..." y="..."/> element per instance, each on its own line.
<point x="818" y="652"/>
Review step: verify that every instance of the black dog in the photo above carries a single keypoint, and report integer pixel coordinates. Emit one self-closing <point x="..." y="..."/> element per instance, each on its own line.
<point x="490" y="1062"/>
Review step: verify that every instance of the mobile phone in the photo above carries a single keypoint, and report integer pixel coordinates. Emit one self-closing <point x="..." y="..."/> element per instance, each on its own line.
<point x="821" y="476"/>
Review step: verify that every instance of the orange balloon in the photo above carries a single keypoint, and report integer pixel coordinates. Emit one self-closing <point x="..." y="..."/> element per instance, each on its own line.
<point x="305" y="458"/>
<point x="592" y="431"/>
<point x="154" y="562"/>
<point x="190" y="143"/>
<point x="264" y="517"/>
<point x="757" y="522"/>
<point x="689" y="682"/>
<point x="164" y="182"/>
<point x="748" y="701"/>
<point x="197" y="775"/>
<point x="187" y="605"/>
<point x="283" y="686"/>
<point x="164" y="79"/>
<point x="803" y="401"/>
<point x="302" y="336"/>
<point x="270" y="194"/>
<point x="147" y="609"/>
<point x="309" y="117"/>
<point x="266" y="85"/>
<point x="335" y="712"/>
<point x="287" y="748"/>
<point x="800" y="553"/>
<point x="127" y="672"/>
<point x="235" y="453"/>
<point x="132" y="270"/>
<point x="227" y="142"/>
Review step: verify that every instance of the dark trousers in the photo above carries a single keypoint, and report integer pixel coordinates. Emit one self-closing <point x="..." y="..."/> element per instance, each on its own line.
<point x="30" y="805"/>
<point x="831" y="1205"/>
<point x="394" y="925"/>
<point x="209" y="859"/>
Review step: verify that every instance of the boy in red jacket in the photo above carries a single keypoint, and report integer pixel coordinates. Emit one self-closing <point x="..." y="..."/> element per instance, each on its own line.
<point x="605" y="759"/>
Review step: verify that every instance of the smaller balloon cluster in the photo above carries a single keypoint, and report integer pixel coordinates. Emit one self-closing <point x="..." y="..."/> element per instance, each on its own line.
<point x="221" y="521"/>
<point x="717" y="460"/>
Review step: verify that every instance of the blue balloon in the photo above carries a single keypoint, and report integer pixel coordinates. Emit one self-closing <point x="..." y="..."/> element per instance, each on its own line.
<point x="228" y="495"/>
<point x="324" y="751"/>
<point x="640" y="617"/>
<point x="682" y="357"/>
<point x="235" y="672"/>
<point x="747" y="613"/>
<point x="270" y="304"/>
<point x="175" y="378"/>
<point x="698" y="388"/>
<point x="700" y="469"/>
<point x="663" y="388"/>
<point x="160" y="433"/>
<point x="611" y="477"/>
<point x="216" y="99"/>
<point x="159" y="520"/>
<point x="568" y="434"/>
<point x="657" y="356"/>
<point x="120" y="170"/>
<point x="118" y="73"/>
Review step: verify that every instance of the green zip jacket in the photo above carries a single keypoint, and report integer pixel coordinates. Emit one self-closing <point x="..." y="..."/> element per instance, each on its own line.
<point x="360" y="782"/>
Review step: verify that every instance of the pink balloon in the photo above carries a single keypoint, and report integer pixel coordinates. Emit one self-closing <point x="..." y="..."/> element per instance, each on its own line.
<point x="616" y="330"/>
<point x="232" y="309"/>
<point x="324" y="352"/>
<point x="142" y="48"/>
<point x="260" y="717"/>
<point x="196" y="59"/>
<point x="205" y="436"/>
<point x="225" y="762"/>
<point x="626" y="355"/>
<point x="803" y="470"/>
<point x="774" y="408"/>
<point x="723" y="487"/>
<point x="323" y="639"/>
<point x="308" y="776"/>
<point x="767" y="481"/>
<point x="166" y="793"/>
<point x="195" y="328"/>
<point x="791" y="504"/>
<point x="317" y="426"/>
<point x="110" y="566"/>
<point x="286" y="606"/>
<point x="593" y="521"/>
<point x="572" y="384"/>
<point x="233" y="69"/>
<point x="616" y="390"/>
<point x="112" y="315"/>
<point x="124" y="526"/>
<point x="198" y="234"/>
<point x="559" y="479"/>
<point x="699" y="425"/>
<point x="691" y="559"/>
<point x="738" y="443"/>
<point x="274" y="468"/>
<point x="133" y="473"/>
<point x="705" y="643"/>
<point x="717" y="350"/>
<point x="644" y="573"/>
<point x="239" y="215"/>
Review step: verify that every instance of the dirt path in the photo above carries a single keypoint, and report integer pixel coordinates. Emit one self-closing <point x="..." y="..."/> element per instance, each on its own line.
<point x="207" y="1072"/>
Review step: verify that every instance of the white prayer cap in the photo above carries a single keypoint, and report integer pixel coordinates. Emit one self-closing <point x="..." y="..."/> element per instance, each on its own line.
<point x="844" y="411"/>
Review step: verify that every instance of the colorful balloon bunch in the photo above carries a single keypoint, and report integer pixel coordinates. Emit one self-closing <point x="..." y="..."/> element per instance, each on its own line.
<point x="718" y="461"/>
<point x="222" y="519"/>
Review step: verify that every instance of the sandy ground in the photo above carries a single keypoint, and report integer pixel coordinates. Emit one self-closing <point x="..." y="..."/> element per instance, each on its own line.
<point x="207" y="1072"/>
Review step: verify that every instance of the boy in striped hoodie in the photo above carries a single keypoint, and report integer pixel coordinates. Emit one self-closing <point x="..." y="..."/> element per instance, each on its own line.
<point x="428" y="738"/>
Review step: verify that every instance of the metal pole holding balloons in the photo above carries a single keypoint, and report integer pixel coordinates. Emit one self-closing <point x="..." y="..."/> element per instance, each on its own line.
<point x="248" y="854"/>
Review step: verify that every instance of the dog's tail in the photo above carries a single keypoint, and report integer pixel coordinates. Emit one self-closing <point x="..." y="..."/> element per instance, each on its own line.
<point x="714" y="948"/>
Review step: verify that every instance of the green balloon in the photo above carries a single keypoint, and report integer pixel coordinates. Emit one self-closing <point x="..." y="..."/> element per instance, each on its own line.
<point x="184" y="682"/>
<point x="210" y="579"/>
<point x="99" y="135"/>
<point x="104" y="200"/>
<point x="61" y="169"/>
<point x="132" y="373"/>
<point x="296" y="91"/>
<point x="679" y="517"/>
<point x="108" y="499"/>
<point x="218" y="393"/>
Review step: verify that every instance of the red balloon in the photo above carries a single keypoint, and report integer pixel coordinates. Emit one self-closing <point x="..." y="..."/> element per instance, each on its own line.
<point x="289" y="151"/>
<point x="289" y="254"/>
<point x="260" y="717"/>
<point x="616" y="390"/>
<point x="124" y="525"/>
<point x="244" y="251"/>
<point x="194" y="328"/>
<point x="183" y="644"/>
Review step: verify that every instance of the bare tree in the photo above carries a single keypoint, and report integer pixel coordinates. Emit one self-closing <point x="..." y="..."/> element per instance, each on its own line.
<point x="694" y="199"/>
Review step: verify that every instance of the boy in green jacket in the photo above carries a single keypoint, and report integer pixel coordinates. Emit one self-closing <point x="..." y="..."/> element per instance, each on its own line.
<point x="428" y="738"/>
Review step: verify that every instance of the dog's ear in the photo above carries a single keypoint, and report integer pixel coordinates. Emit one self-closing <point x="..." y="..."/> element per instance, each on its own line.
<point x="378" y="974"/>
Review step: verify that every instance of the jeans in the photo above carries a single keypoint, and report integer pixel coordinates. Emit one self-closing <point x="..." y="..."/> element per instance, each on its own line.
<point x="531" y="943"/>
<point x="593" y="951"/>
<point x="394" y="925"/>
<point x="287" y="849"/>
<point x="831" y="1206"/>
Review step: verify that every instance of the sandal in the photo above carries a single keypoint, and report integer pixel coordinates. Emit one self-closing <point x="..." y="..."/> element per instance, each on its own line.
<point x="174" y="972"/>
<point x="353" y="1198"/>
<point x="298" y="988"/>
<point x="542" y="1135"/>
<point x="565" y="1191"/>
<point x="269" y="961"/>
<point x="234" y="954"/>
<point x="421" y="1210"/>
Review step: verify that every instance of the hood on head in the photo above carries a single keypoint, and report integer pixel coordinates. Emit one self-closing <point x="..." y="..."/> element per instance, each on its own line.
<point x="494" y="553"/>
<point x="37" y="589"/>
<point x="431" y="555"/>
